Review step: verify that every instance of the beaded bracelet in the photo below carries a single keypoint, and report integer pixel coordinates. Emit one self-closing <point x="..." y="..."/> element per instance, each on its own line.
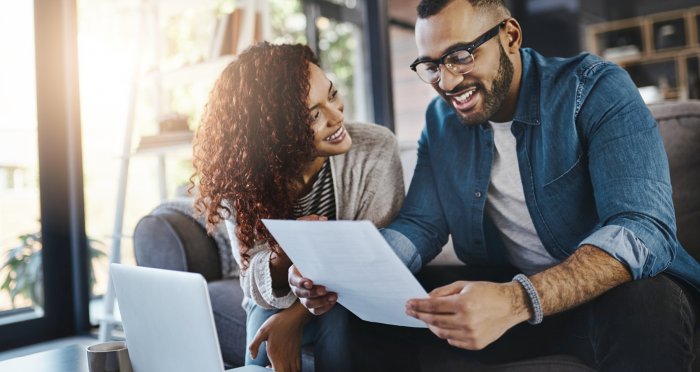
<point x="534" y="298"/>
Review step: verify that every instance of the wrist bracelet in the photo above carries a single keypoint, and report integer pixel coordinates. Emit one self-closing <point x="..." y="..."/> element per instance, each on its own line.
<point x="534" y="298"/>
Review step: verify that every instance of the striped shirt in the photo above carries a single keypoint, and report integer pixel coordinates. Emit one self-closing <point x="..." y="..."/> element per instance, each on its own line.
<point x="321" y="199"/>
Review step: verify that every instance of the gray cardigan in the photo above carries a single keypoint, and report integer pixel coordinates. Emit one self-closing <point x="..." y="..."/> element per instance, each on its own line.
<point x="368" y="185"/>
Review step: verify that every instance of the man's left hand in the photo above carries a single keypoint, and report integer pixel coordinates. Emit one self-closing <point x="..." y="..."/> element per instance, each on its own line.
<point x="471" y="315"/>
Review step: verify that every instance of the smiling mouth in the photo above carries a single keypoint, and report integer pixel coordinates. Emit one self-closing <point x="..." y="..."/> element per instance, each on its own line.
<point x="338" y="134"/>
<point x="463" y="100"/>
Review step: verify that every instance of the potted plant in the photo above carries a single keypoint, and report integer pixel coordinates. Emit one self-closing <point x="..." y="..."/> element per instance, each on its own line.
<point x="23" y="274"/>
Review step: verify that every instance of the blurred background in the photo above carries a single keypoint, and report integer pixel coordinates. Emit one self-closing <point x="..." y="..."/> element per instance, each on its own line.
<point x="100" y="99"/>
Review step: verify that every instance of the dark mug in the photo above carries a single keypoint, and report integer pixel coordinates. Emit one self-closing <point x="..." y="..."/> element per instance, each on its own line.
<point x="109" y="357"/>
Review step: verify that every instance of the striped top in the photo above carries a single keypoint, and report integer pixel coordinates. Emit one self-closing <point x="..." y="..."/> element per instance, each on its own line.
<point x="321" y="199"/>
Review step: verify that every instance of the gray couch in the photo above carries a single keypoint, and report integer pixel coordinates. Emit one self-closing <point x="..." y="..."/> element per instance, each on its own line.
<point x="170" y="238"/>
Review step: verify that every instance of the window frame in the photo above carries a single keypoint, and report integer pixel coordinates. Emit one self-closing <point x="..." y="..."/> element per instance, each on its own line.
<point x="64" y="243"/>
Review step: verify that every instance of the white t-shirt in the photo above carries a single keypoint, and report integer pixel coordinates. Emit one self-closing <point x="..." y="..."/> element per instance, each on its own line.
<point x="506" y="207"/>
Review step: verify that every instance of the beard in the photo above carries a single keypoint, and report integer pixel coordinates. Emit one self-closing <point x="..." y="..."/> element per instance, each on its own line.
<point x="492" y="99"/>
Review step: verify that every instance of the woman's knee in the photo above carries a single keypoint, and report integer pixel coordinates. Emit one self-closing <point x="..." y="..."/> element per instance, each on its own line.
<point x="334" y="322"/>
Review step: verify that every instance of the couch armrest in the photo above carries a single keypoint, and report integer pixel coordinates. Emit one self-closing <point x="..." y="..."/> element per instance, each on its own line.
<point x="170" y="239"/>
<point x="679" y="124"/>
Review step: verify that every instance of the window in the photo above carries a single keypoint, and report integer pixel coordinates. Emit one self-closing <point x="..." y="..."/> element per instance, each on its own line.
<point x="411" y="96"/>
<point x="21" y="284"/>
<point x="41" y="198"/>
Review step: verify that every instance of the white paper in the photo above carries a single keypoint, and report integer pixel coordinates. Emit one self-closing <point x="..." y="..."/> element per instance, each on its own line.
<point x="352" y="259"/>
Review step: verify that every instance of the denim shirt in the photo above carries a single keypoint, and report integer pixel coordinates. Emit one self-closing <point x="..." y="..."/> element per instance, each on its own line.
<point x="592" y="164"/>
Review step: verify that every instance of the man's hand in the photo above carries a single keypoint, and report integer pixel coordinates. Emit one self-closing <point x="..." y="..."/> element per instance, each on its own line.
<point x="283" y="332"/>
<point x="471" y="315"/>
<point x="314" y="297"/>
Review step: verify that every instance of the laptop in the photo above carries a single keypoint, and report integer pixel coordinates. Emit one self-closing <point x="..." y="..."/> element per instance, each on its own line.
<point x="168" y="321"/>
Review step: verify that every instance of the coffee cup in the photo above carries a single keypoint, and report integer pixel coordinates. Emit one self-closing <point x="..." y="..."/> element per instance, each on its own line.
<point x="109" y="357"/>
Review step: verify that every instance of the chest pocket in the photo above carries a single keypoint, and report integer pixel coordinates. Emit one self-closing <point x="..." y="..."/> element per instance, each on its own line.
<point x="559" y="178"/>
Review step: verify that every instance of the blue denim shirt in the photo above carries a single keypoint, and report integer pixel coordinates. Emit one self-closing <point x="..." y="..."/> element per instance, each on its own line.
<point x="592" y="164"/>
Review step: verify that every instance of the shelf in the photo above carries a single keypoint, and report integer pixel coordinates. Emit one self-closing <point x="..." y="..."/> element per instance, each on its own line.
<point x="669" y="34"/>
<point x="625" y="40"/>
<point x="693" y="66"/>
<point x="660" y="51"/>
<point x="164" y="143"/>
<point x="206" y="70"/>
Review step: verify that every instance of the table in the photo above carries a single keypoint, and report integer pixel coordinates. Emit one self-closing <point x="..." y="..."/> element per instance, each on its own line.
<point x="69" y="359"/>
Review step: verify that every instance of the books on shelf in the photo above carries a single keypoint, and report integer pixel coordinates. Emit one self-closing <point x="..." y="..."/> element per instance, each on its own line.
<point x="228" y="31"/>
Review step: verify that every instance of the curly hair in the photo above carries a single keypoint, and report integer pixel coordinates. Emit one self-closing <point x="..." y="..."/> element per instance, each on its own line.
<point x="254" y="139"/>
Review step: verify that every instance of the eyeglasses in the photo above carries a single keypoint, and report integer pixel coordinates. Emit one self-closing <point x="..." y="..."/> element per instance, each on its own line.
<point x="460" y="60"/>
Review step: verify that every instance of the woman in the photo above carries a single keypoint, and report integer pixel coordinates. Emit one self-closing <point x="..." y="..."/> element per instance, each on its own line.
<point x="273" y="144"/>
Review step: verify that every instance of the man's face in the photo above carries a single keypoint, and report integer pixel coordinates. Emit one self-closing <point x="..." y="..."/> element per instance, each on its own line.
<point x="480" y="94"/>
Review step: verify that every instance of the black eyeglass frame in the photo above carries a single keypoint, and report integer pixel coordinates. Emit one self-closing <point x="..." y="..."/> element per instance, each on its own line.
<point x="470" y="48"/>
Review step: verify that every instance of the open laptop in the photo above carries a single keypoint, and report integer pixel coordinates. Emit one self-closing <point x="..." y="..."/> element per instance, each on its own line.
<point x="168" y="321"/>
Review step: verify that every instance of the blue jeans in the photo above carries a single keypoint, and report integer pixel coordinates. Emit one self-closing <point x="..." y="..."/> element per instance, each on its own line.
<point x="328" y="334"/>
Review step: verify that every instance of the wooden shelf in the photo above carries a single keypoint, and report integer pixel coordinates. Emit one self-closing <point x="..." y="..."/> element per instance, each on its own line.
<point x="206" y="70"/>
<point x="655" y="50"/>
<point x="164" y="143"/>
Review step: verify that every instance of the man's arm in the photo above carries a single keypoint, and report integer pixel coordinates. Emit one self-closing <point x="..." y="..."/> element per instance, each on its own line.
<point x="585" y="275"/>
<point x="472" y="315"/>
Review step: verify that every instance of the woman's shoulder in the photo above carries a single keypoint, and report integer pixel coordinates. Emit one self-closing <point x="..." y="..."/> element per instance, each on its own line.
<point x="370" y="135"/>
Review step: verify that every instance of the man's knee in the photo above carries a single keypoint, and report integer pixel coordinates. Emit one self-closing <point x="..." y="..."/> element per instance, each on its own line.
<point x="651" y="302"/>
<point x="643" y="325"/>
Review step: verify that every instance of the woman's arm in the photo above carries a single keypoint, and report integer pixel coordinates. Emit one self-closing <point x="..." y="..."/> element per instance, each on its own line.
<point x="283" y="332"/>
<point x="257" y="278"/>
<point x="279" y="264"/>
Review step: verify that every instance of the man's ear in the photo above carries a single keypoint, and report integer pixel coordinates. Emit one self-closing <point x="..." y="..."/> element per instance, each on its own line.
<point x="514" y="34"/>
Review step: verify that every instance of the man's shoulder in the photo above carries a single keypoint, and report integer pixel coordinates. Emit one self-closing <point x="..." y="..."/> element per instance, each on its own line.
<point x="556" y="69"/>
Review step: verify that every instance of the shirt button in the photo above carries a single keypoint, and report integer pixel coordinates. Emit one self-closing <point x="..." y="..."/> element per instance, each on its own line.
<point x="477" y="194"/>
<point x="488" y="144"/>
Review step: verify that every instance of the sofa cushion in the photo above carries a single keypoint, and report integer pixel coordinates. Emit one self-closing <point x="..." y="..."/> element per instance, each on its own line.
<point x="679" y="124"/>
<point x="226" y="297"/>
<point x="169" y="239"/>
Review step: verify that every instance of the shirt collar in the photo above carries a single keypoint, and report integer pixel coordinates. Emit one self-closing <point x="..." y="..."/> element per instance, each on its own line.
<point x="527" y="110"/>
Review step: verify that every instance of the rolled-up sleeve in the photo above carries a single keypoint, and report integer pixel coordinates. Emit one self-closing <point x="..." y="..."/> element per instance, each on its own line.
<point x="623" y="245"/>
<point x="403" y="248"/>
<point x="630" y="176"/>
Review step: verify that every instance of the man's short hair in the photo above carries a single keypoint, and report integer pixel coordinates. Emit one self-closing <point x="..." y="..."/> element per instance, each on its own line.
<point x="428" y="8"/>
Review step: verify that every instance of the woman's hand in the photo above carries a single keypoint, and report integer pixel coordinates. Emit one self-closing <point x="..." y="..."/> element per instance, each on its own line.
<point x="283" y="332"/>
<point x="313" y="297"/>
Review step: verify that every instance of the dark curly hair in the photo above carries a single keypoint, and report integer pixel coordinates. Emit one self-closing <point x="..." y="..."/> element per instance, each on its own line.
<point x="254" y="140"/>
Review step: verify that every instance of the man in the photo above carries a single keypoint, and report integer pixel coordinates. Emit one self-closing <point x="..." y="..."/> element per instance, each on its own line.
<point x="554" y="166"/>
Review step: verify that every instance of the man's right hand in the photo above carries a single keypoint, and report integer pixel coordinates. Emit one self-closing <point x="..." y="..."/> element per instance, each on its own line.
<point x="314" y="297"/>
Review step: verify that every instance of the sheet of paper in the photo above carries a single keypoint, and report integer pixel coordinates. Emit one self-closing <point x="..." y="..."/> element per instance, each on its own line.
<point x="352" y="259"/>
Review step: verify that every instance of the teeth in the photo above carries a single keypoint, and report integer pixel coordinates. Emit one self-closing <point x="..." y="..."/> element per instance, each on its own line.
<point x="336" y="135"/>
<point x="464" y="96"/>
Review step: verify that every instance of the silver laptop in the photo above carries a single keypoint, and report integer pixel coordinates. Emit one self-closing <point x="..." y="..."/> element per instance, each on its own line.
<point x="168" y="321"/>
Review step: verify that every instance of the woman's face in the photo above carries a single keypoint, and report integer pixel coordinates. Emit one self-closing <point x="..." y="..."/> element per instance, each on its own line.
<point x="326" y="108"/>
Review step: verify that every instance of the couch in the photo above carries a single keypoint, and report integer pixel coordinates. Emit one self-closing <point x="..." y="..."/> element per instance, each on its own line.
<point x="170" y="238"/>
